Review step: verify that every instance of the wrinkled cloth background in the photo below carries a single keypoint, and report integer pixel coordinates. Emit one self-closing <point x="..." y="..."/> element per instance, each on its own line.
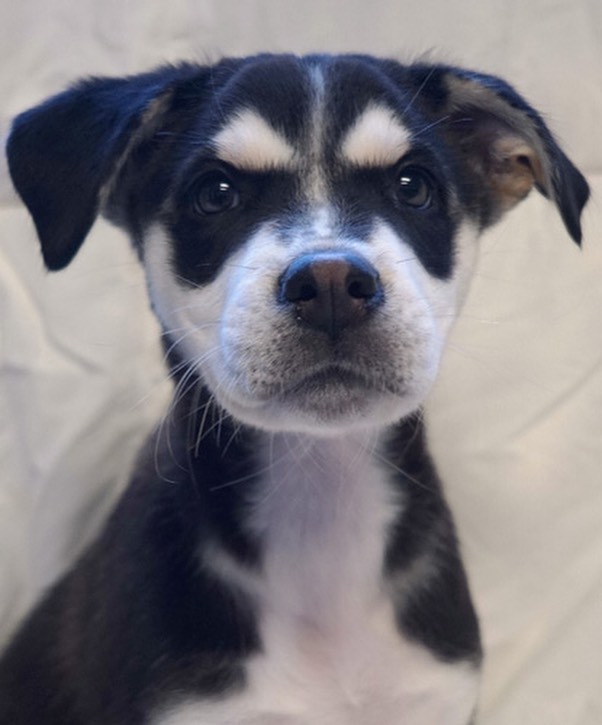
<point x="516" y="418"/>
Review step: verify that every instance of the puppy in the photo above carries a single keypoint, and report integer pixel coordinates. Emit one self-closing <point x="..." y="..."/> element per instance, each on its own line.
<point x="283" y="554"/>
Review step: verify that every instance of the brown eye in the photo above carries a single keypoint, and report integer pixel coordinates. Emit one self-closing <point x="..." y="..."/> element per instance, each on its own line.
<point x="215" y="194"/>
<point x="414" y="187"/>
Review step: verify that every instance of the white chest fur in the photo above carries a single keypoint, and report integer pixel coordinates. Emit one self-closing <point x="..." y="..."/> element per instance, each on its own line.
<point x="331" y="652"/>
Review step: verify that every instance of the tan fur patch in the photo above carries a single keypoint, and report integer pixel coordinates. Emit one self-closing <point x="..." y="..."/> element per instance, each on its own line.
<point x="377" y="138"/>
<point x="249" y="142"/>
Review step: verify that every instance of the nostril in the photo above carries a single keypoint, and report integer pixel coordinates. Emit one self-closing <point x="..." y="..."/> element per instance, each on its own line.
<point x="363" y="286"/>
<point x="305" y="293"/>
<point x="298" y="284"/>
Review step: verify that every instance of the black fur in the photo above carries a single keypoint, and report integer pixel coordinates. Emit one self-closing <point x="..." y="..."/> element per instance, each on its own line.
<point x="438" y="613"/>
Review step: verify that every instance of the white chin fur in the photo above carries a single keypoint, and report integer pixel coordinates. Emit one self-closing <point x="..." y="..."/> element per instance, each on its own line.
<point x="377" y="411"/>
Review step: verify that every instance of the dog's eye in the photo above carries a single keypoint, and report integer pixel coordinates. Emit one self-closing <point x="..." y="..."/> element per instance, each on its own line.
<point x="414" y="187"/>
<point x="215" y="194"/>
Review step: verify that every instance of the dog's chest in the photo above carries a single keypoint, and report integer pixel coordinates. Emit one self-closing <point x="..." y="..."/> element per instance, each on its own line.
<point x="331" y="653"/>
<point x="372" y="678"/>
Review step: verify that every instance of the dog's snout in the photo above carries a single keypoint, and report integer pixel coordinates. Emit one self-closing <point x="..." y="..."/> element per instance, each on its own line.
<point x="331" y="291"/>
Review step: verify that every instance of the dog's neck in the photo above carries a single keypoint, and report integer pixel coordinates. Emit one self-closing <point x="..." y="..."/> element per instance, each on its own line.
<point x="315" y="515"/>
<point x="322" y="508"/>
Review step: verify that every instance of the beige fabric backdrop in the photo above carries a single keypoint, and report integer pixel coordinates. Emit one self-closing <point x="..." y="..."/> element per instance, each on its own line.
<point x="516" y="418"/>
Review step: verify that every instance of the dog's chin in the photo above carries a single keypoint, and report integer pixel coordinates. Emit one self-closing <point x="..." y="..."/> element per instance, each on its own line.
<point x="327" y="402"/>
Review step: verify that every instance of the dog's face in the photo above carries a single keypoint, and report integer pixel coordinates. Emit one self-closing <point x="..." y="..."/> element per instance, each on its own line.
<point x="314" y="249"/>
<point x="307" y="225"/>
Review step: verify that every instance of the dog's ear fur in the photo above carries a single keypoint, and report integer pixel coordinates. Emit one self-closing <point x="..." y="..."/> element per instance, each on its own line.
<point x="504" y="142"/>
<point x="63" y="154"/>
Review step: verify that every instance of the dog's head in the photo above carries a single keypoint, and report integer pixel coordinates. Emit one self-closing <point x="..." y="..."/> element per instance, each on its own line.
<point x="307" y="225"/>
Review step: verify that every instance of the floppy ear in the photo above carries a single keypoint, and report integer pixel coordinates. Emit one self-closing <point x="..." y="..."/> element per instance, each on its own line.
<point x="63" y="153"/>
<point x="504" y="142"/>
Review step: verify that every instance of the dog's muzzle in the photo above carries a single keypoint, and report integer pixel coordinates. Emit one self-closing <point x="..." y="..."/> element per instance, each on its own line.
<point x="331" y="291"/>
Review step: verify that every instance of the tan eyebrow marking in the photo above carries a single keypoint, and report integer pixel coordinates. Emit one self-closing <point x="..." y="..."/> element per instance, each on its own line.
<point x="377" y="138"/>
<point x="250" y="143"/>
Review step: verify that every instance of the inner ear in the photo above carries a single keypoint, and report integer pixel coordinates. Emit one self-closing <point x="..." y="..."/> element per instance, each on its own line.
<point x="514" y="169"/>
<point x="504" y="164"/>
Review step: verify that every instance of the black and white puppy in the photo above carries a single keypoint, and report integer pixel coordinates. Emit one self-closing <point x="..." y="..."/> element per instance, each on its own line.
<point x="284" y="554"/>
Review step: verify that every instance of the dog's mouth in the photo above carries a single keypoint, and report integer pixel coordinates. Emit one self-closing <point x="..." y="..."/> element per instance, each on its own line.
<point x="333" y="379"/>
<point x="323" y="397"/>
<point x="332" y="391"/>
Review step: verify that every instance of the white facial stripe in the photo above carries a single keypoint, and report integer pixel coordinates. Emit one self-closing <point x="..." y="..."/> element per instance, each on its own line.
<point x="377" y="138"/>
<point x="249" y="142"/>
<point x="315" y="183"/>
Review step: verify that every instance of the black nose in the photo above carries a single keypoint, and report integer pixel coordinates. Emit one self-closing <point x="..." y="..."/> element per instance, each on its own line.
<point x="331" y="291"/>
